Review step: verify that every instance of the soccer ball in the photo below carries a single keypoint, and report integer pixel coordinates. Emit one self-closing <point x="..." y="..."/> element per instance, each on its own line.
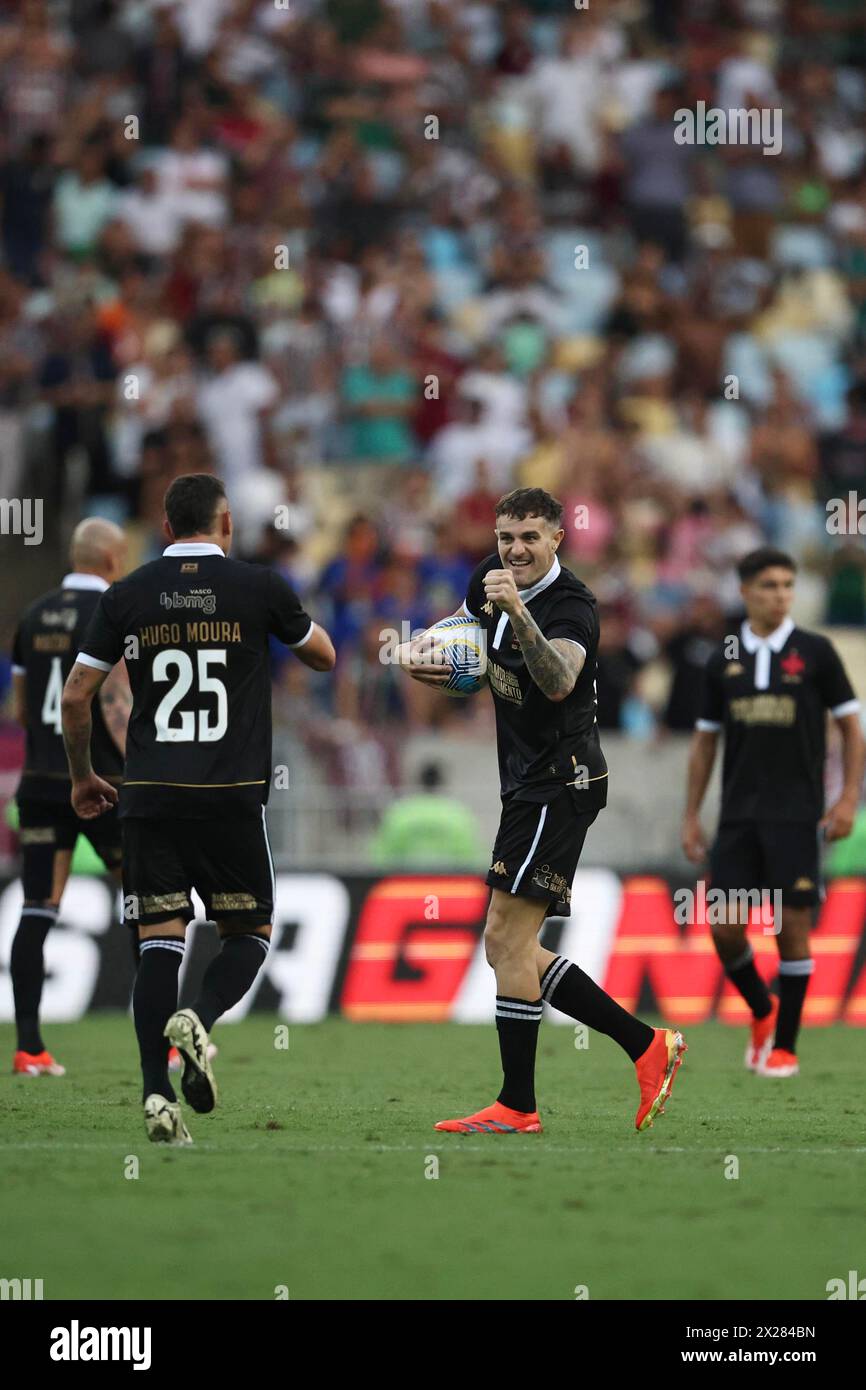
<point x="461" y="643"/>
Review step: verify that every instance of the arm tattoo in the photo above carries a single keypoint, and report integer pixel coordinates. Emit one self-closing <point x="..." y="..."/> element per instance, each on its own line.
<point x="115" y="700"/>
<point x="77" y="725"/>
<point x="554" y="665"/>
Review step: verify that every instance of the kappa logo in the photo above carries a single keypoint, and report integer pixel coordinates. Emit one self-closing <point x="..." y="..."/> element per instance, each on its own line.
<point x="499" y="868"/>
<point x="487" y="608"/>
<point x="803" y="885"/>
<point x="734" y="668"/>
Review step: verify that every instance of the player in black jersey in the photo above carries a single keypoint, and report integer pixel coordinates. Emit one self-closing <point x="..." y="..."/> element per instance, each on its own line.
<point x="769" y="688"/>
<point x="193" y="629"/>
<point x="541" y="628"/>
<point x="46" y="642"/>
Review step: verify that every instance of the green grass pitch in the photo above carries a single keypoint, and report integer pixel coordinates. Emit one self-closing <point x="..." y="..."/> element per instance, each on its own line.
<point x="311" y="1173"/>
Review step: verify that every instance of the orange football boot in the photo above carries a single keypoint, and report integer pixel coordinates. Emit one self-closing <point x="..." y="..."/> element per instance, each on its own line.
<point x="36" y="1064"/>
<point x="494" y="1119"/>
<point x="656" y="1069"/>
<point x="780" y="1063"/>
<point x="760" y="1043"/>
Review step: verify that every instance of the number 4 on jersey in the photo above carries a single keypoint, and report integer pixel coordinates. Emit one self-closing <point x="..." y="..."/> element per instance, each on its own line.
<point x="53" y="694"/>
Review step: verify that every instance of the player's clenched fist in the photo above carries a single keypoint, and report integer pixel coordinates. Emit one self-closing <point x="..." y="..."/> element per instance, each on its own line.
<point x="501" y="589"/>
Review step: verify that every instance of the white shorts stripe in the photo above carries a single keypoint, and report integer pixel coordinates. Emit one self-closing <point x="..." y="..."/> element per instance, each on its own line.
<point x="271" y="863"/>
<point x="532" y="849"/>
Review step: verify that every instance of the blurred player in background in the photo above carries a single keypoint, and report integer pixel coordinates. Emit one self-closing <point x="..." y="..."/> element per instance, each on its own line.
<point x="193" y="627"/>
<point x="46" y="642"/>
<point x="541" y="628"/>
<point x="769" y="692"/>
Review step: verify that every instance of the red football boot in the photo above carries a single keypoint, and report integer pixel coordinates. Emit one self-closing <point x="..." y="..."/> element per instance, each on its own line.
<point x="656" y="1069"/>
<point x="494" y="1119"/>
<point x="36" y="1064"/>
<point x="760" y="1043"/>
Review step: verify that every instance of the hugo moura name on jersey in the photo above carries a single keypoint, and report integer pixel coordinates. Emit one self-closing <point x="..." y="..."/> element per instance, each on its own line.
<point x="194" y="627"/>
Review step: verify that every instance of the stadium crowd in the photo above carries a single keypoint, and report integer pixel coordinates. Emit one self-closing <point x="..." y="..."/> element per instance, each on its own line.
<point x="377" y="263"/>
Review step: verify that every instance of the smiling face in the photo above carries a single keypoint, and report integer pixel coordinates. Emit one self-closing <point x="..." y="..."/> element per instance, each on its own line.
<point x="527" y="547"/>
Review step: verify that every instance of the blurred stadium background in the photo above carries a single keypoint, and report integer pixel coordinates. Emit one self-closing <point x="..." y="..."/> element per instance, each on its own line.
<point x="377" y="262"/>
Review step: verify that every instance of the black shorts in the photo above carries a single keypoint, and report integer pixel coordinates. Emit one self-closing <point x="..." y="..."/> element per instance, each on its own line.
<point x="537" y="849"/>
<point x="228" y="862"/>
<point x="771" y="855"/>
<point x="48" y="826"/>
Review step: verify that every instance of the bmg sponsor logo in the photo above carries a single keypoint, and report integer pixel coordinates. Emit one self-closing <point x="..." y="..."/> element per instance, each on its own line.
<point x="203" y="602"/>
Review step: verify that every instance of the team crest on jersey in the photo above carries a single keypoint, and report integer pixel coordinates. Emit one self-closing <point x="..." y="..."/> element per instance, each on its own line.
<point x="735" y="668"/>
<point x="793" y="667"/>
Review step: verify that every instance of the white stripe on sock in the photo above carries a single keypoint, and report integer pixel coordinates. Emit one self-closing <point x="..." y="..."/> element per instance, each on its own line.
<point x="796" y="967"/>
<point x="554" y="975"/>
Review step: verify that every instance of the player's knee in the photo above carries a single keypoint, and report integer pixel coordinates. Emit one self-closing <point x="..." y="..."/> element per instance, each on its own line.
<point x="502" y="944"/>
<point x="495" y="941"/>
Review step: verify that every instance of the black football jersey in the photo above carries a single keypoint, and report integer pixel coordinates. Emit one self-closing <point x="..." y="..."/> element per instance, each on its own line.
<point x="193" y="628"/>
<point x="46" y="644"/>
<point x="770" y="696"/>
<point x="543" y="744"/>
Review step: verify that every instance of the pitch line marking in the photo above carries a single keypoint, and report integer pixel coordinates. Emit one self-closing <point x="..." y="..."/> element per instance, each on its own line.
<point x="210" y="1146"/>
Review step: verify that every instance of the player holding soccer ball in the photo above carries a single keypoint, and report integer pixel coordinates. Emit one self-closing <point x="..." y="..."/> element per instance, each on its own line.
<point x="541" y="628"/>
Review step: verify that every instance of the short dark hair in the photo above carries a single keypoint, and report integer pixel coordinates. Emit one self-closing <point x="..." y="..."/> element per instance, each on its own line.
<point x="764" y="558"/>
<point x="191" y="503"/>
<point x="530" y="501"/>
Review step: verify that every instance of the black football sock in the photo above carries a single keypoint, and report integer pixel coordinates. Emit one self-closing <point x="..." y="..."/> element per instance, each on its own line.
<point x="517" y="1023"/>
<point x="573" y="992"/>
<point x="154" y="1000"/>
<point x="27" y="968"/>
<point x="134" y="945"/>
<point x="794" y="976"/>
<point x="743" y="974"/>
<point x="229" y="975"/>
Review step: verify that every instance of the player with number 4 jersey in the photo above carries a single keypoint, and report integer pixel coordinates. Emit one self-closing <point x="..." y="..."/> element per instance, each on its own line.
<point x="193" y="628"/>
<point x="46" y="642"/>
